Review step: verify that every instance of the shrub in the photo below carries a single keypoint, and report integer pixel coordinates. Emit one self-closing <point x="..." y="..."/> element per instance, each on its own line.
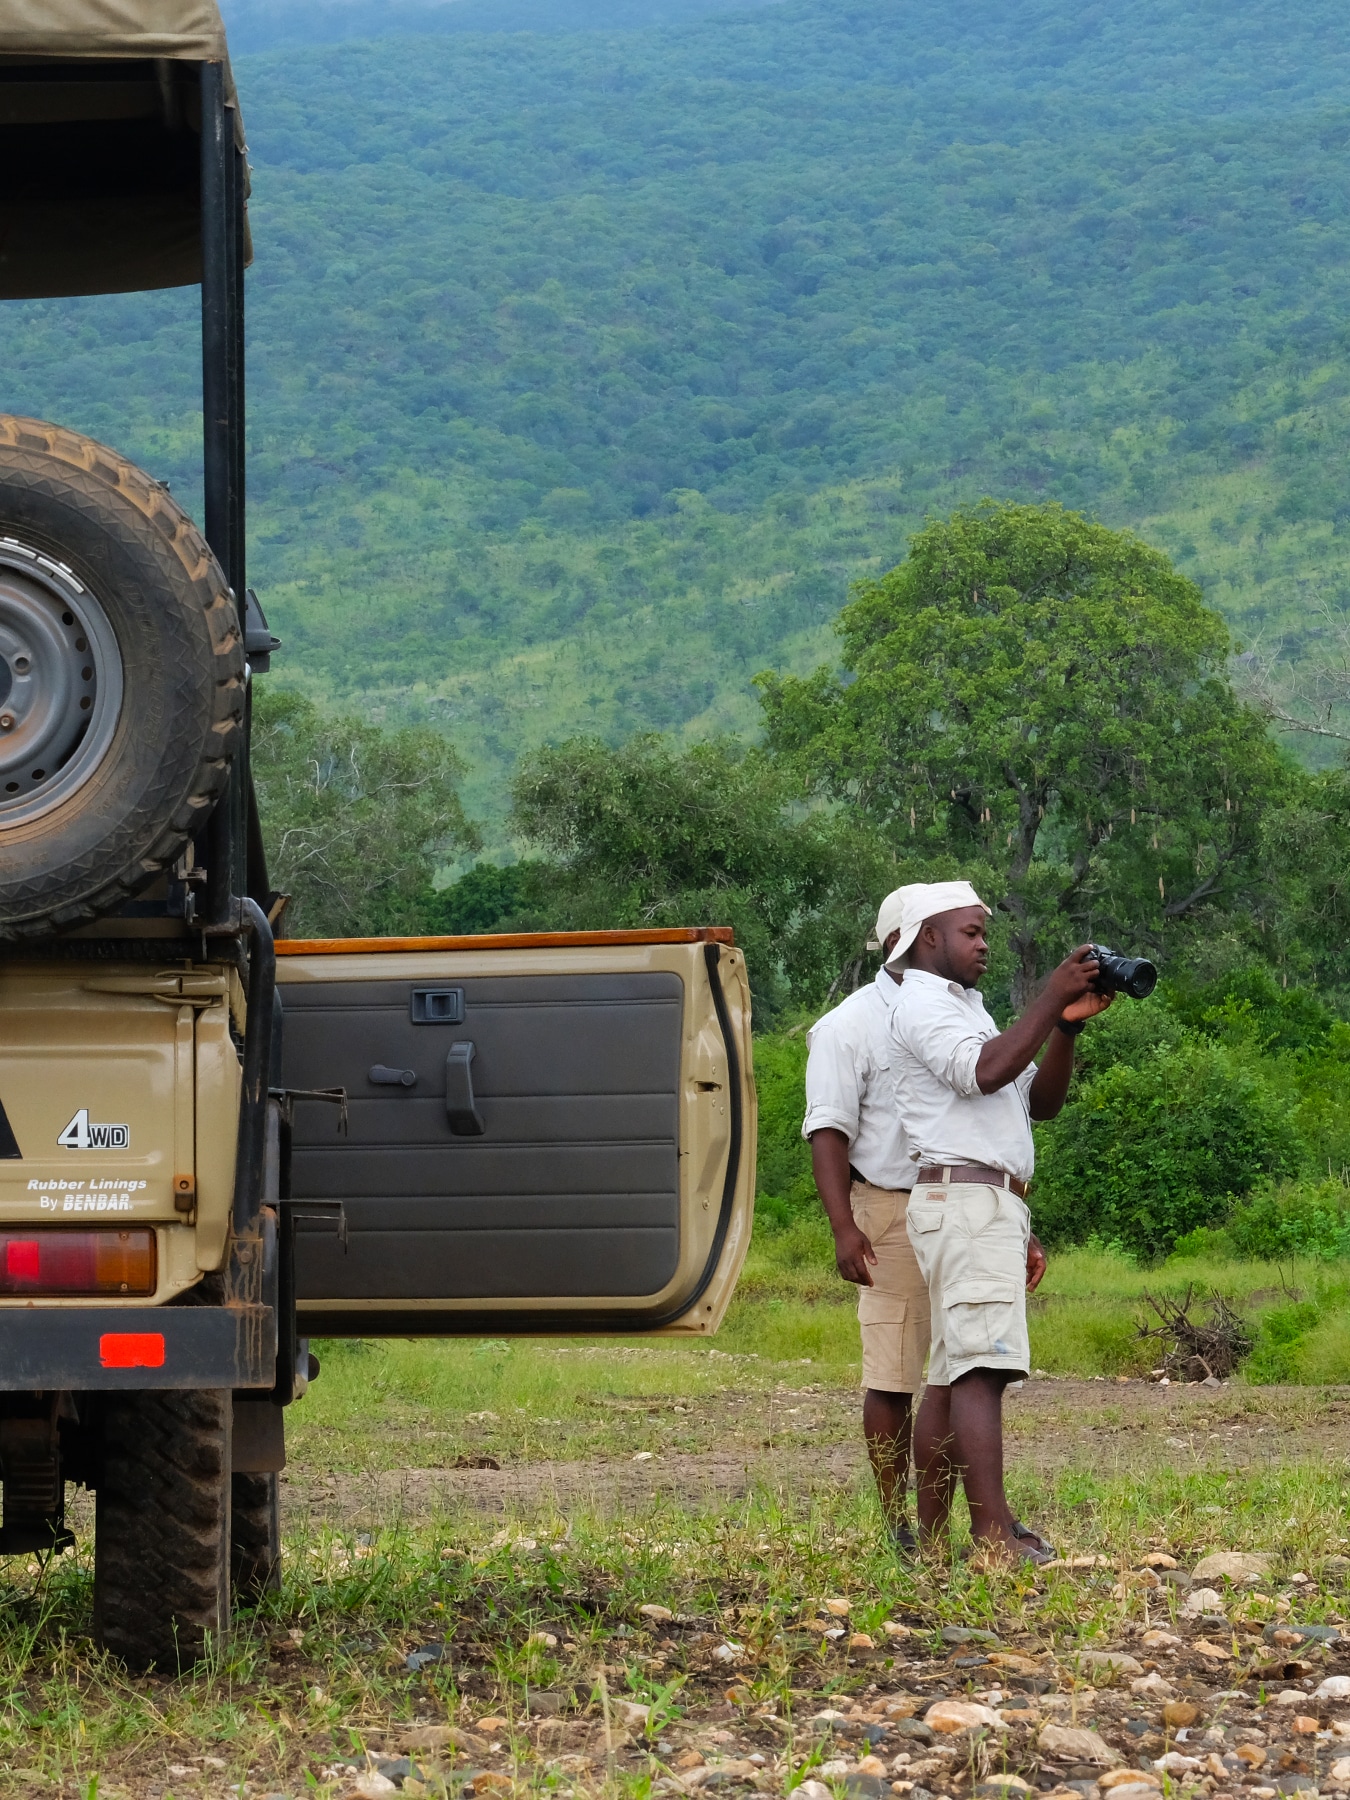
<point x="1309" y="1219"/>
<point x="1150" y="1152"/>
<point x="785" y="1189"/>
<point x="1250" y="1002"/>
<point x="1131" y="1032"/>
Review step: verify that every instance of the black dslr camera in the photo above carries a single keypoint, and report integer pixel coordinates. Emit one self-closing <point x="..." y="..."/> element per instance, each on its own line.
<point x="1132" y="975"/>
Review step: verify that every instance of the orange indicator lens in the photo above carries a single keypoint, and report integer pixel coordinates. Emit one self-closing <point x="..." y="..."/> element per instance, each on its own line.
<point x="77" y="1262"/>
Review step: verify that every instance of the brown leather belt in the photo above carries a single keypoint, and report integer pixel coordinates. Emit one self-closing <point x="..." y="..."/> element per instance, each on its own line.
<point x="969" y="1175"/>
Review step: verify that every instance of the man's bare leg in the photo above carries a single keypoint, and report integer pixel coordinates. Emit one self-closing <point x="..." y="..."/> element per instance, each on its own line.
<point x="976" y="1410"/>
<point x="933" y="1465"/>
<point x="886" y="1427"/>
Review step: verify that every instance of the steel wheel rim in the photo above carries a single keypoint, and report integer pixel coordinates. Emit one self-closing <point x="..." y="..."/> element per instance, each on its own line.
<point x="61" y="684"/>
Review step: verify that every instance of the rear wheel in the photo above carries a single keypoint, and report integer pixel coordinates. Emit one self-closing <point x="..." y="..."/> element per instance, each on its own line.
<point x="162" y="1526"/>
<point x="121" y="679"/>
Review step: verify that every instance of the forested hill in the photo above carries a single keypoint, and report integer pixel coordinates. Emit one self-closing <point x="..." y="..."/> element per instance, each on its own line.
<point x="588" y="368"/>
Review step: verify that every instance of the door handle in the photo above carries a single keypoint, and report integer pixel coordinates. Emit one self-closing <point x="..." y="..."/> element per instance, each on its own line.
<point x="461" y="1113"/>
<point x="385" y="1077"/>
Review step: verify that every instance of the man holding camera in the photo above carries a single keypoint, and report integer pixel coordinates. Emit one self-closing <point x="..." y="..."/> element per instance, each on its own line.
<point x="968" y="1094"/>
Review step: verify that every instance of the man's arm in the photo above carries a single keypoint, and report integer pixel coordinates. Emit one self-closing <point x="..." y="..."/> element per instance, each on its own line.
<point x="829" y="1164"/>
<point x="1004" y="1057"/>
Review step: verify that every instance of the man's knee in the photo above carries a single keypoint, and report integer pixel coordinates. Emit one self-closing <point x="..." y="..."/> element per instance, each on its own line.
<point x="992" y="1378"/>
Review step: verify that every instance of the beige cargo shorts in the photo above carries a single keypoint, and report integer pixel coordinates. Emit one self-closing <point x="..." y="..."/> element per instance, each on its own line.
<point x="971" y="1247"/>
<point x="893" y="1312"/>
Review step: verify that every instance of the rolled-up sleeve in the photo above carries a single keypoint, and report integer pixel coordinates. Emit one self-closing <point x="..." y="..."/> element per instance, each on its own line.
<point x="833" y="1084"/>
<point x="939" y="1035"/>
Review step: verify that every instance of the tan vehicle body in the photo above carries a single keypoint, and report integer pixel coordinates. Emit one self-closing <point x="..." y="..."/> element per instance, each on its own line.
<point x="145" y="1049"/>
<point x="147" y="1054"/>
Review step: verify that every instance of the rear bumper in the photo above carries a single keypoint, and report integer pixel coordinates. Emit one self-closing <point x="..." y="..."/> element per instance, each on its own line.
<point x="82" y="1348"/>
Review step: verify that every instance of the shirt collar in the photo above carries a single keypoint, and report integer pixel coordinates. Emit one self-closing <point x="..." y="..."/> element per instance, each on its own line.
<point x="926" y="977"/>
<point x="889" y="990"/>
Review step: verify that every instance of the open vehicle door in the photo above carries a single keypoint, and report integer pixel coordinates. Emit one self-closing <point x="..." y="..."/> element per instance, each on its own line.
<point x="543" y="1133"/>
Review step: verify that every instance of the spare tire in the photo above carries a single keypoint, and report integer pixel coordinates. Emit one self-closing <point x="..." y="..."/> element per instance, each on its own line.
<point x="121" y="679"/>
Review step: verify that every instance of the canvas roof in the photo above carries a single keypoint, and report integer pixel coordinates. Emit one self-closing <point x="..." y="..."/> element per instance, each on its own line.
<point x="186" y="30"/>
<point x="100" y="125"/>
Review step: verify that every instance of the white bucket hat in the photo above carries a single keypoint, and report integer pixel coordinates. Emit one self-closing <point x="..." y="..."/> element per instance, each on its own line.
<point x="906" y="908"/>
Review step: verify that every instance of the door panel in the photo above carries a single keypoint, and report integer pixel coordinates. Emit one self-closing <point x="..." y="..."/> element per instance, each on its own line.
<point x="600" y="1185"/>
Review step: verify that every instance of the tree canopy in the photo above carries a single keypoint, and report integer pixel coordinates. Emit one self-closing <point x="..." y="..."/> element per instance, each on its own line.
<point x="354" y="818"/>
<point x="1047" y="698"/>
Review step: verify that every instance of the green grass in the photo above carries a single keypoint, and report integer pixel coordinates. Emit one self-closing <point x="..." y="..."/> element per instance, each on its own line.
<point x="320" y="1672"/>
<point x="1084" y="1318"/>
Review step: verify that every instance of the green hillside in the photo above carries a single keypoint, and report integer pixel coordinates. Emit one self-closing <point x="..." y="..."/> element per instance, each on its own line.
<point x="588" y="369"/>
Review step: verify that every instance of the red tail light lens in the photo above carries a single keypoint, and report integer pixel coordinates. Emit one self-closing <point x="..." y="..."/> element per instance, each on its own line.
<point x="77" y="1262"/>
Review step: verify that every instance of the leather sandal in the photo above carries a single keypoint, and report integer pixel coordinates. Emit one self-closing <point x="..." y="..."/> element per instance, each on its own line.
<point x="1034" y="1538"/>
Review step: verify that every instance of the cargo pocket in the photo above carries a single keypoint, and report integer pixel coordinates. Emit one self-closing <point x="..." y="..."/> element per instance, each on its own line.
<point x="881" y="1309"/>
<point x="894" y="1342"/>
<point x="984" y="1318"/>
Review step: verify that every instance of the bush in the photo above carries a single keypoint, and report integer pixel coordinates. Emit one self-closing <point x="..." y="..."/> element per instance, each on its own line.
<point x="1309" y="1219"/>
<point x="1131" y="1032"/>
<point x="1150" y="1152"/>
<point x="785" y="1190"/>
<point x="1250" y="1003"/>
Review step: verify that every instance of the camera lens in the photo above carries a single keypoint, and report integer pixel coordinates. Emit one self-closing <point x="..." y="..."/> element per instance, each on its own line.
<point x="1132" y="975"/>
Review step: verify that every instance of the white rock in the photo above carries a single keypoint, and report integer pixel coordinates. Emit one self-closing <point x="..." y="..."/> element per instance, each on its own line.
<point x="1153" y="1686"/>
<point x="828" y="1717"/>
<point x="1161" y="1640"/>
<point x="1202" y="1600"/>
<point x="1120" y="1662"/>
<point x="1232" y="1565"/>
<point x="642" y="1456"/>
<point x="373" y="1786"/>
<point x="1335" y="1687"/>
<point x="1075" y="1743"/>
<point x="1174" y="1763"/>
<point x="728" y="1653"/>
<point x="962" y="1715"/>
<point x="1287" y="1697"/>
<point x="632" y="1714"/>
<point x="1119" y="1778"/>
<point x="839" y="1608"/>
<point x="1340" y="1769"/>
<point x="659" y="1615"/>
<point x="837" y="1766"/>
<point x="813" y="1790"/>
<point x="1138" y="1789"/>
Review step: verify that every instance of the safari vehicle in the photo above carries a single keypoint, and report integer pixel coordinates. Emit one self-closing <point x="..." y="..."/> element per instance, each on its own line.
<point x="214" y="1144"/>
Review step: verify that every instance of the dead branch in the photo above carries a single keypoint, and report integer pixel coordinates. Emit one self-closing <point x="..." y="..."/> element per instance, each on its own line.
<point x="1198" y="1349"/>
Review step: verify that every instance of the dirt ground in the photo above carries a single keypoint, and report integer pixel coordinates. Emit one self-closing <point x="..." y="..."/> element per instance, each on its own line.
<point x="807" y="1441"/>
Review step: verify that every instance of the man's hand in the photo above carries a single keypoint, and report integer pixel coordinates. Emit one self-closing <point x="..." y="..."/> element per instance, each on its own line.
<point x="1074" y="982"/>
<point x="1088" y="1007"/>
<point x="852" y="1253"/>
<point x="1035" y="1263"/>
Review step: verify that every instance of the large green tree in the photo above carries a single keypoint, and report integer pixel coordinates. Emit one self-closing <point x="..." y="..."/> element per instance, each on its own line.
<point x="1045" y="699"/>
<point x="355" y="818"/>
<point x="649" y="834"/>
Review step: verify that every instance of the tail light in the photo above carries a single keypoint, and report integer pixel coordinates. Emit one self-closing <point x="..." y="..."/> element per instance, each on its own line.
<point x="77" y="1262"/>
